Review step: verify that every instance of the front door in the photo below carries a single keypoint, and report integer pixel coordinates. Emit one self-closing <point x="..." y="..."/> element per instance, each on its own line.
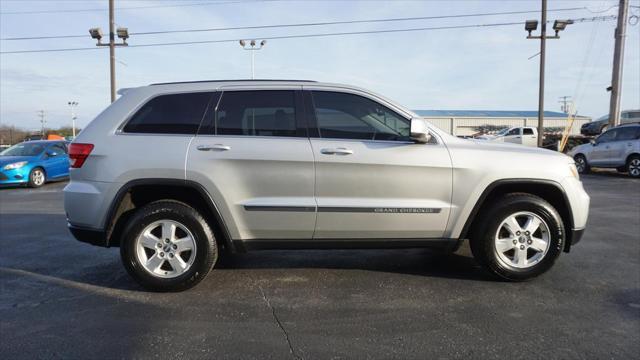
<point x="601" y="151"/>
<point x="371" y="180"/>
<point x="255" y="159"/>
<point x="513" y="136"/>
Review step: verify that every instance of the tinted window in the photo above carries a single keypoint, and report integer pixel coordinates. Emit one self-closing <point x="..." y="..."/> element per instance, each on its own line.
<point x="348" y="116"/>
<point x="58" y="149"/>
<point x="256" y="113"/>
<point x="633" y="115"/>
<point x="527" y="131"/>
<point x="170" y="114"/>
<point x="607" y="136"/>
<point x="628" y="133"/>
<point x="514" y="132"/>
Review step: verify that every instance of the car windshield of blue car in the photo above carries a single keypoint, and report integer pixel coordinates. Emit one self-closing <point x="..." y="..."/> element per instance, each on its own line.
<point x="23" y="150"/>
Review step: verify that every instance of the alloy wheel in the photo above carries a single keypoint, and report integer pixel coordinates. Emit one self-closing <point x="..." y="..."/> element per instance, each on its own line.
<point x="634" y="167"/>
<point x="522" y="240"/>
<point x="166" y="248"/>
<point x="37" y="177"/>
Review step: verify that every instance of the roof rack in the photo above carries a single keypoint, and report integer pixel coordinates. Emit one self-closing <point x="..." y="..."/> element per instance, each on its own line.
<point x="238" y="80"/>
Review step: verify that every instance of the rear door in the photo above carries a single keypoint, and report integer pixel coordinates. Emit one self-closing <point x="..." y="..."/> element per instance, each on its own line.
<point x="253" y="155"/>
<point x="623" y="144"/>
<point x="371" y="180"/>
<point x="529" y="137"/>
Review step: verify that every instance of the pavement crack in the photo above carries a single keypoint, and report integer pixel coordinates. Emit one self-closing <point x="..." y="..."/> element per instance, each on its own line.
<point x="277" y="321"/>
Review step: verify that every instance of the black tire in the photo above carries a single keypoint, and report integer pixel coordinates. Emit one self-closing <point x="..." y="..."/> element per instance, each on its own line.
<point x="482" y="241"/>
<point x="581" y="164"/>
<point x="206" y="254"/>
<point x="37" y="177"/>
<point x="632" y="167"/>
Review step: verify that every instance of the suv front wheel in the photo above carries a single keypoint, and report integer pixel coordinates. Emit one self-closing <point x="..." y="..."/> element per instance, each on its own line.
<point x="168" y="246"/>
<point x="518" y="237"/>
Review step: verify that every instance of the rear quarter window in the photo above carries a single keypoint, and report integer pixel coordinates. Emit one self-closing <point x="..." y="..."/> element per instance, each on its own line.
<point x="170" y="114"/>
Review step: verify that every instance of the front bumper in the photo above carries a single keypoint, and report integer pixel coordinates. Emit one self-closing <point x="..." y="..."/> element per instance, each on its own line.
<point x="15" y="176"/>
<point x="576" y="236"/>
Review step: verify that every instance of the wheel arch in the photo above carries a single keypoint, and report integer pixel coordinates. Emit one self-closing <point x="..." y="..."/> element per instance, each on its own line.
<point x="548" y="190"/>
<point x="137" y="193"/>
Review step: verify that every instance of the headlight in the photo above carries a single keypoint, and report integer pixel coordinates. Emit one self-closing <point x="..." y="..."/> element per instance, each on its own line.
<point x="574" y="171"/>
<point x="15" y="165"/>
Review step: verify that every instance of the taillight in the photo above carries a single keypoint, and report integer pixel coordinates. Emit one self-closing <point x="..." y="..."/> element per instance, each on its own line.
<point x="78" y="153"/>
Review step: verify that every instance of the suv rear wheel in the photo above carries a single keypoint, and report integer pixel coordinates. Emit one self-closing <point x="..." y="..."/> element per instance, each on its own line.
<point x="633" y="166"/>
<point x="168" y="246"/>
<point x="519" y="237"/>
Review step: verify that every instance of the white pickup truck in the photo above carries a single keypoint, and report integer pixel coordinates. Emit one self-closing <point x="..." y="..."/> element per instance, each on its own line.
<point x="524" y="135"/>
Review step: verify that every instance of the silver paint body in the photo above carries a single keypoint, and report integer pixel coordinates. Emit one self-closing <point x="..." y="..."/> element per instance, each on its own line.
<point x="382" y="189"/>
<point x="608" y="154"/>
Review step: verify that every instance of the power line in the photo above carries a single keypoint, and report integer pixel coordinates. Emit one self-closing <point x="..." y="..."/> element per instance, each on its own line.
<point x="599" y="18"/>
<point x="323" y="23"/>
<point x="126" y="8"/>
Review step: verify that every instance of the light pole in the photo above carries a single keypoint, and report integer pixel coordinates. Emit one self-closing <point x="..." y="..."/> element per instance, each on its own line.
<point x="252" y="47"/>
<point x="529" y="26"/>
<point x="72" y="106"/>
<point x="123" y="33"/>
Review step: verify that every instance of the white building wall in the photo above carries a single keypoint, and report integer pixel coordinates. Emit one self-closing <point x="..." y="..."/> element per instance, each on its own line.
<point x="466" y="126"/>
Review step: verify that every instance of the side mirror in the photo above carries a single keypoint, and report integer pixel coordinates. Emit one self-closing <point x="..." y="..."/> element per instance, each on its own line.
<point x="420" y="131"/>
<point x="52" y="154"/>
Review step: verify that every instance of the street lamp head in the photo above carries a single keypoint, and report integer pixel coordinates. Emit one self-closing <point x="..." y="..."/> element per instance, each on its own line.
<point x="560" y="25"/>
<point x="530" y="25"/>
<point x="123" y="33"/>
<point x="252" y="43"/>
<point x="263" y="42"/>
<point x="96" y="33"/>
<point x="242" y="43"/>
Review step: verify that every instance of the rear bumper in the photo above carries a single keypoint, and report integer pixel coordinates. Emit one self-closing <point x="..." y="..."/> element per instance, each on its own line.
<point x="89" y="236"/>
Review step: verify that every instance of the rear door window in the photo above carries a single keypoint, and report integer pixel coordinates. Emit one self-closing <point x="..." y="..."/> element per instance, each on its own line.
<point x="170" y="114"/>
<point x="257" y="113"/>
<point x="628" y="133"/>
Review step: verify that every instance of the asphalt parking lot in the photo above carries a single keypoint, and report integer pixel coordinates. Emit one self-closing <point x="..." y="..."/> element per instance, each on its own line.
<point x="64" y="299"/>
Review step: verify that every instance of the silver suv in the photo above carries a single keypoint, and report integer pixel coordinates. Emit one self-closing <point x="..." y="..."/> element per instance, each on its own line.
<point x="616" y="148"/>
<point x="178" y="174"/>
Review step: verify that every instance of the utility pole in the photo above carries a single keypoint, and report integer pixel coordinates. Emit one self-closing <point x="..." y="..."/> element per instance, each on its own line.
<point x="112" y="52"/>
<point x="543" y="48"/>
<point x="618" y="58"/>
<point x="564" y="101"/>
<point x="530" y="25"/>
<point x="43" y="121"/>
<point x="122" y="33"/>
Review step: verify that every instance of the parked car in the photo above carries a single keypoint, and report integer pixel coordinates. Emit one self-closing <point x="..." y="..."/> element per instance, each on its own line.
<point x="600" y="125"/>
<point x="616" y="148"/>
<point x="525" y="135"/>
<point x="34" y="162"/>
<point x="174" y="173"/>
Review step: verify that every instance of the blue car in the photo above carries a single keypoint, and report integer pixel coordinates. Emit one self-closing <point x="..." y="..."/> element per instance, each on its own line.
<point x="34" y="162"/>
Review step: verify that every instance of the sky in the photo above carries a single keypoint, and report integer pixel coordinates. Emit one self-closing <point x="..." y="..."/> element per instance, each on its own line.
<point x="484" y="68"/>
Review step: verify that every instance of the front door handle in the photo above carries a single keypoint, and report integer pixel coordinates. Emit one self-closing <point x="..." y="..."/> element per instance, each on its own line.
<point x="216" y="147"/>
<point x="337" y="151"/>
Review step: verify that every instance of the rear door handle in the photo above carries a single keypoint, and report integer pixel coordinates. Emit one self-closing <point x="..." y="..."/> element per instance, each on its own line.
<point x="337" y="151"/>
<point x="216" y="147"/>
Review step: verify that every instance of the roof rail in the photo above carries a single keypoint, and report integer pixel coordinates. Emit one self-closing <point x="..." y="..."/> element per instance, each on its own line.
<point x="238" y="80"/>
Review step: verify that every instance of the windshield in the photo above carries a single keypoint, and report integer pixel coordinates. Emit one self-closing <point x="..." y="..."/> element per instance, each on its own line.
<point x="503" y="131"/>
<point x="24" y="149"/>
